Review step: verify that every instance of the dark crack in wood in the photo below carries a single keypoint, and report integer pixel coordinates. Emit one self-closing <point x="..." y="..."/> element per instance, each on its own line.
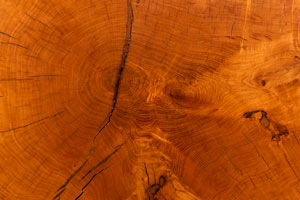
<point x="64" y="186"/>
<point x="31" y="123"/>
<point x="103" y="161"/>
<point x="122" y="66"/>
<point x="93" y="178"/>
<point x="14" y="44"/>
<point x="30" y="56"/>
<point x="79" y="196"/>
<point x="3" y="33"/>
<point x="266" y="122"/>
<point x="257" y="151"/>
<point x="253" y="183"/>
<point x="146" y="170"/>
<point x="232" y="27"/>
<point x="57" y="196"/>
<point x="229" y="158"/>
<point x="37" y="20"/>
<point x="296" y="139"/>
<point x="293" y="170"/>
<point x="249" y="114"/>
<point x="15" y="79"/>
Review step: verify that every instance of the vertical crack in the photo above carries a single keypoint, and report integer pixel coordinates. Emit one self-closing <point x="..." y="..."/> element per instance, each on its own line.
<point x="122" y="65"/>
<point x="115" y="98"/>
<point x="146" y="170"/>
<point x="293" y="170"/>
<point x="229" y="158"/>
<point x="257" y="151"/>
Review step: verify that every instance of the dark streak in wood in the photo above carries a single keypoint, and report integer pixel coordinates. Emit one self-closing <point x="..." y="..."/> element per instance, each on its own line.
<point x="79" y="196"/>
<point x="103" y="161"/>
<point x="14" y="44"/>
<point x="37" y="20"/>
<point x="45" y="75"/>
<point x="257" y="151"/>
<point x="93" y="178"/>
<point x="288" y="162"/>
<point x="6" y="35"/>
<point x="72" y="176"/>
<point x="122" y="66"/>
<point x="228" y="157"/>
<point x="35" y="57"/>
<point x="232" y="27"/>
<point x="15" y="79"/>
<point x="264" y="121"/>
<point x="34" y="122"/>
<point x="252" y="183"/>
<point x="57" y="196"/>
<point x="146" y="170"/>
<point x="154" y="189"/>
<point x="162" y="181"/>
<point x="249" y="114"/>
<point x="296" y="138"/>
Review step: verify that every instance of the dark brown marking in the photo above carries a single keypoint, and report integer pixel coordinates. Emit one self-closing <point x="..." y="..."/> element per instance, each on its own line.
<point x="14" y="44"/>
<point x="103" y="161"/>
<point x="162" y="181"/>
<point x="79" y="196"/>
<point x="6" y="34"/>
<point x="63" y="187"/>
<point x="264" y="121"/>
<point x="34" y="122"/>
<point x="122" y="66"/>
<point x="154" y="189"/>
<point x="146" y="170"/>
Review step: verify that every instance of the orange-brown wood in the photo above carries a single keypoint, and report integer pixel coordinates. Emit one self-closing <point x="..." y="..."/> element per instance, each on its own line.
<point x="149" y="99"/>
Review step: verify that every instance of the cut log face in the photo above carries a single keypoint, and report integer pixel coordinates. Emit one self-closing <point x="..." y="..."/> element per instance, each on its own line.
<point x="150" y="99"/>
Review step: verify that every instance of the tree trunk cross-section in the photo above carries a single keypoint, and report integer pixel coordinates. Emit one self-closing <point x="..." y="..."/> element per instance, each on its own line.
<point x="149" y="99"/>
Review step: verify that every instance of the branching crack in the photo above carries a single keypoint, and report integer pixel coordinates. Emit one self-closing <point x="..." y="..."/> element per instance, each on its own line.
<point x="64" y="186"/>
<point x="108" y="119"/>
<point x="91" y="179"/>
<point x="103" y="161"/>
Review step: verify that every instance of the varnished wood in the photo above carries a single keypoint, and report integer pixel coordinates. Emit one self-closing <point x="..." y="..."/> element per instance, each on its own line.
<point x="149" y="99"/>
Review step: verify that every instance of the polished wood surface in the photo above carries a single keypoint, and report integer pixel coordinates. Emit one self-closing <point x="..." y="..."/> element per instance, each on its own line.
<point x="149" y="99"/>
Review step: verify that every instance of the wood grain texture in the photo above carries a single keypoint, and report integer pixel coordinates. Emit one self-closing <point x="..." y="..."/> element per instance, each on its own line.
<point x="149" y="99"/>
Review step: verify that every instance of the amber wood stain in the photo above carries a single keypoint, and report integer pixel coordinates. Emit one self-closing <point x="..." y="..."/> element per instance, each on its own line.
<point x="149" y="99"/>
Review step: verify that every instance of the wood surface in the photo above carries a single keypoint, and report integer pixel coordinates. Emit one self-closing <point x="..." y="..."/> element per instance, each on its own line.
<point x="149" y="99"/>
